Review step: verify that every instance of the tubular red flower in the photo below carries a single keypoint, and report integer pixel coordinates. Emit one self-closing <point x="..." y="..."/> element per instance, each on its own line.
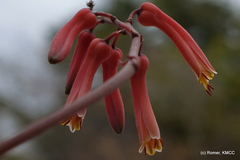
<point x="84" y="40"/>
<point x="147" y="126"/>
<point x="98" y="52"/>
<point x="150" y="15"/>
<point x="63" y="40"/>
<point x="113" y="102"/>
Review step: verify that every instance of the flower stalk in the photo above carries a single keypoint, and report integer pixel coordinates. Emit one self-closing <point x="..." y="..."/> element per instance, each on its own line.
<point x="113" y="102"/>
<point x="84" y="40"/>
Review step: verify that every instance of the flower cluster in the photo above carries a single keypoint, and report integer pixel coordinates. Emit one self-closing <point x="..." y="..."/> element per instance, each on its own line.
<point x="91" y="53"/>
<point x="150" y="15"/>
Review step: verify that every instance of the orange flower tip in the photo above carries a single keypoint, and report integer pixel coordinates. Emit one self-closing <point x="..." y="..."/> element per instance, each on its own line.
<point x="74" y="123"/>
<point x="151" y="147"/>
<point x="65" y="122"/>
<point x="77" y="125"/>
<point x="205" y="81"/>
<point x="205" y="76"/>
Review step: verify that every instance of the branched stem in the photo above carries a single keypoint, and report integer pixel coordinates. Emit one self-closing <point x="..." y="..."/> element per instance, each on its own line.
<point x="86" y="100"/>
<point x="112" y="35"/>
<point x="115" y="41"/>
<point x="130" y="17"/>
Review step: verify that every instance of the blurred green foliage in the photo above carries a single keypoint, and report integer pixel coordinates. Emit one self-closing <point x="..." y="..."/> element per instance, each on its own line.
<point x="190" y="121"/>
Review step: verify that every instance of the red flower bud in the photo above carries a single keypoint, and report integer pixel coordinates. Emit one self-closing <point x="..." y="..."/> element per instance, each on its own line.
<point x="98" y="52"/>
<point x="84" y="40"/>
<point x="146" y="123"/>
<point x="63" y="40"/>
<point x="113" y="102"/>
<point x="150" y="15"/>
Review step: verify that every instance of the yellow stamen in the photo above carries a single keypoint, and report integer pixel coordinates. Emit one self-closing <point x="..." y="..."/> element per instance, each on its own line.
<point x="74" y="123"/>
<point x="152" y="146"/>
<point x="204" y="79"/>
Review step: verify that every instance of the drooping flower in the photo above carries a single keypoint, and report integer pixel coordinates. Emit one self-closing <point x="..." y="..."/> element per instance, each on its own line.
<point x="98" y="52"/>
<point x="84" y="40"/>
<point x="63" y="40"/>
<point x="113" y="102"/>
<point x="147" y="126"/>
<point x="150" y="15"/>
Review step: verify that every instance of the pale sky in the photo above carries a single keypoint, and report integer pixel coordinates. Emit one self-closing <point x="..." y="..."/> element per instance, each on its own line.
<point x="30" y="20"/>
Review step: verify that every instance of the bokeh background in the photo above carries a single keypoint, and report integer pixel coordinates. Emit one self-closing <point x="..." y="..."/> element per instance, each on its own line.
<point x="189" y="119"/>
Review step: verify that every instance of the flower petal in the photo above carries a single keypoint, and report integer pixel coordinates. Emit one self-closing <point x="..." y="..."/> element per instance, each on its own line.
<point x="63" y="40"/>
<point x="98" y="52"/>
<point x="113" y="101"/>
<point x="79" y="55"/>
<point x="150" y="15"/>
<point x="147" y="126"/>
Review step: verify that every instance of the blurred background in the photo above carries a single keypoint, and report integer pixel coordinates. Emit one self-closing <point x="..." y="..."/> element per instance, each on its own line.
<point x="189" y="119"/>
